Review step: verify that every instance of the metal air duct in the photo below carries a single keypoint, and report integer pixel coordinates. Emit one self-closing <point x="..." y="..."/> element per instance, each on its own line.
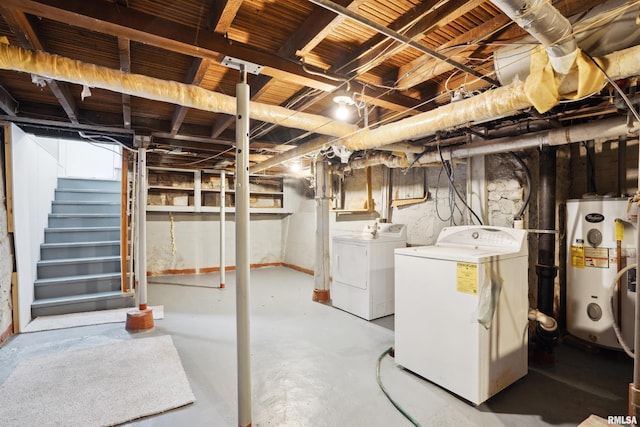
<point x="544" y="22"/>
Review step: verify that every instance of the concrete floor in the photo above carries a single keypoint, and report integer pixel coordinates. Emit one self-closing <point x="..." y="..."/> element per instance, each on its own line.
<point x="314" y="365"/>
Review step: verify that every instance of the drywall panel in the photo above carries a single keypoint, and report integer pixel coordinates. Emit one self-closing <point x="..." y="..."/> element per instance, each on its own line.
<point x="34" y="181"/>
<point x="190" y="242"/>
<point x="85" y="159"/>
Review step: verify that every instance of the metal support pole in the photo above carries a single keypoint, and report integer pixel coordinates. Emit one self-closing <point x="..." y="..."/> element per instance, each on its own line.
<point x="142" y="229"/>
<point x="242" y="251"/>
<point x="223" y="262"/>
<point x="634" y="392"/>
<point x="141" y="318"/>
<point x="321" y="291"/>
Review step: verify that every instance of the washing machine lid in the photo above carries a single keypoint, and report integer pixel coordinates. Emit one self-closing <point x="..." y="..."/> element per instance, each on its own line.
<point x="472" y="243"/>
<point x="476" y="255"/>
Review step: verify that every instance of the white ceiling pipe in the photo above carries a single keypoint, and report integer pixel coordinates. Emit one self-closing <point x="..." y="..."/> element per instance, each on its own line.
<point x="544" y="22"/>
<point x="64" y="69"/>
<point x="603" y="129"/>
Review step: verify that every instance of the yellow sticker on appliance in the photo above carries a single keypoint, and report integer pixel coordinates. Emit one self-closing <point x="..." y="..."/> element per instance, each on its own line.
<point x="596" y="257"/>
<point x="577" y="256"/>
<point x="467" y="274"/>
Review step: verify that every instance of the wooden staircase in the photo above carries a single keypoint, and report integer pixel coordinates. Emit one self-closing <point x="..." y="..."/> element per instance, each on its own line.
<point x="79" y="268"/>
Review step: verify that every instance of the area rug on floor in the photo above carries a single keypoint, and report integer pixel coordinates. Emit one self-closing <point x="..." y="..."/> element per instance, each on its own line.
<point x="72" y="320"/>
<point x="98" y="386"/>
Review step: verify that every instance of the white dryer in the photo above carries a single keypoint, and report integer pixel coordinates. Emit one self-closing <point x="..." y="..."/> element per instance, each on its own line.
<point x="461" y="310"/>
<point x="362" y="270"/>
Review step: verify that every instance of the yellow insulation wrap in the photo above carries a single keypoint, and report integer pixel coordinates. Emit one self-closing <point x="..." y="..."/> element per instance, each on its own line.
<point x="487" y="105"/>
<point x="68" y="70"/>
<point x="542" y="85"/>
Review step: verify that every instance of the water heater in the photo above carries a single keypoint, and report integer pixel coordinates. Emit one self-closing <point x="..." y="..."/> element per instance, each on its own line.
<point x="601" y="240"/>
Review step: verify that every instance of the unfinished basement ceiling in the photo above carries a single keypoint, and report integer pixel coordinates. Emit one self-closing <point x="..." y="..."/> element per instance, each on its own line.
<point x="308" y="52"/>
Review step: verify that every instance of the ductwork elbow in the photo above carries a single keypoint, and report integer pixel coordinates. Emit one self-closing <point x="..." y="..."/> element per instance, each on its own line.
<point x="547" y="25"/>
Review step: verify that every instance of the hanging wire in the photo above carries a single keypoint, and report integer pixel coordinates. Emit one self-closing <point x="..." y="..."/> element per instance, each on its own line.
<point x="464" y="202"/>
<point x="436" y="201"/>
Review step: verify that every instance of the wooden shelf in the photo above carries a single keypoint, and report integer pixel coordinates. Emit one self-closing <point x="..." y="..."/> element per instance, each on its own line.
<point x="183" y="190"/>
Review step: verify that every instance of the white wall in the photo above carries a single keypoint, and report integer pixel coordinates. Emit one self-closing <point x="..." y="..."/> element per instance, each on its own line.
<point x="34" y="181"/>
<point x="196" y="239"/>
<point x="299" y="227"/>
<point x="84" y="159"/>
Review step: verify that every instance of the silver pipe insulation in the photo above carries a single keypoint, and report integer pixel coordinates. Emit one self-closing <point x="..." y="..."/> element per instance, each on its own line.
<point x="547" y="25"/>
<point x="242" y="253"/>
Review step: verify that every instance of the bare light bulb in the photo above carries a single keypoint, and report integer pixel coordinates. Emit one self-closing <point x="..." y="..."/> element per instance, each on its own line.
<point x="342" y="112"/>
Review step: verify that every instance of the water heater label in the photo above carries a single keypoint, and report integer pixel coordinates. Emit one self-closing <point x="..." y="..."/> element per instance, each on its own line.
<point x="577" y="256"/>
<point x="596" y="257"/>
<point x="467" y="278"/>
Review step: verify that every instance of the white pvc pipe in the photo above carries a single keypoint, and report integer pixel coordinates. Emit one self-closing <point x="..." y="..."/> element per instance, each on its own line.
<point x="547" y="322"/>
<point x="242" y="253"/>
<point x="142" y="229"/>
<point x="223" y="261"/>
<point x="610" y="293"/>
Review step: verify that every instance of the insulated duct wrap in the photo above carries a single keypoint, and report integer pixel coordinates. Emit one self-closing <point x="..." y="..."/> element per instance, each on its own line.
<point x="544" y="22"/>
<point x="488" y="105"/>
<point x="64" y="69"/>
<point x="389" y="160"/>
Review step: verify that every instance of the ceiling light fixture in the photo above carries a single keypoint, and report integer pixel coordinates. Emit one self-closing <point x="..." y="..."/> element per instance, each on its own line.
<point x="343" y="99"/>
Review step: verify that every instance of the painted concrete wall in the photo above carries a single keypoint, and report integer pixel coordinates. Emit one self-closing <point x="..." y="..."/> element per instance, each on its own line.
<point x="299" y="227"/>
<point x="35" y="170"/>
<point x="6" y="264"/>
<point x="190" y="242"/>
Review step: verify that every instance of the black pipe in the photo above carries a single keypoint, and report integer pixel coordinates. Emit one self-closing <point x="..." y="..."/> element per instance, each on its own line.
<point x="546" y="268"/>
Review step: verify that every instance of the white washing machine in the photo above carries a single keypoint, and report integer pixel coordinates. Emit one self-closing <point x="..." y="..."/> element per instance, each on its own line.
<point x="362" y="270"/>
<point x="461" y="310"/>
<point x="592" y="264"/>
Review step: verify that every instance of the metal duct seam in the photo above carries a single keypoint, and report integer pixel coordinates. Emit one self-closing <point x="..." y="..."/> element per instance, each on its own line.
<point x="544" y="22"/>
